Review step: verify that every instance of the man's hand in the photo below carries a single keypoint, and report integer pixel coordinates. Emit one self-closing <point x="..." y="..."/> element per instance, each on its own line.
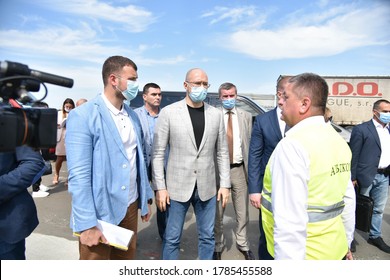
<point x="162" y="199"/>
<point x="255" y="199"/>
<point x="223" y="194"/>
<point x="92" y="237"/>
<point x="349" y="256"/>
<point x="146" y="218"/>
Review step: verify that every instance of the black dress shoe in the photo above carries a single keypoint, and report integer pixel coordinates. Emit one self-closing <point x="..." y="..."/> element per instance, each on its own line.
<point x="217" y="256"/>
<point x="378" y="242"/>
<point x="248" y="254"/>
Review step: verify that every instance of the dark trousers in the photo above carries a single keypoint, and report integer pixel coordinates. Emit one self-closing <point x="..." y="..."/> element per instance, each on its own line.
<point x="161" y="222"/>
<point x="35" y="186"/>
<point x="162" y="218"/>
<point x="263" y="252"/>
<point x="14" y="251"/>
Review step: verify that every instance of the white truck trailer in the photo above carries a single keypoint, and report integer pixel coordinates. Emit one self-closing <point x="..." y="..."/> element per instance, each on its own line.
<point x="351" y="97"/>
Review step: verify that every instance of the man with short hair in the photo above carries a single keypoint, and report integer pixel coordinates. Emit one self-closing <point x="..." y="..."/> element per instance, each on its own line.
<point x="238" y="124"/>
<point x="148" y="115"/>
<point x="195" y="134"/>
<point x="308" y="200"/>
<point x="268" y="130"/>
<point x="370" y="145"/>
<point x="108" y="179"/>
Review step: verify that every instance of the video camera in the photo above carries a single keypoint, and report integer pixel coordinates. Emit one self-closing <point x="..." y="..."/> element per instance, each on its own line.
<point x="36" y="127"/>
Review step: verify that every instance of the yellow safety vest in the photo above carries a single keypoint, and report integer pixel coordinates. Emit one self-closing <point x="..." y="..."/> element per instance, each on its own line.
<point x="330" y="159"/>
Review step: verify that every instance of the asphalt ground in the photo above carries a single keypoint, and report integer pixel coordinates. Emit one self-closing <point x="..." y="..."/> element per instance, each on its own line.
<point x="53" y="239"/>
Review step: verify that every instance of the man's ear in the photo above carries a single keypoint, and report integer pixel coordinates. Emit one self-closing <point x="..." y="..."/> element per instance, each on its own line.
<point x="112" y="79"/>
<point x="305" y="105"/>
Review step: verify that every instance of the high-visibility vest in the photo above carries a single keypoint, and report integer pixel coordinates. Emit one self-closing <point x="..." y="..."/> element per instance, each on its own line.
<point x="330" y="159"/>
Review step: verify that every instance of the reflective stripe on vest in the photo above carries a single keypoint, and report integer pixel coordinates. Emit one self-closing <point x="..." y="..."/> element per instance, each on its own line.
<point x="329" y="175"/>
<point x="315" y="213"/>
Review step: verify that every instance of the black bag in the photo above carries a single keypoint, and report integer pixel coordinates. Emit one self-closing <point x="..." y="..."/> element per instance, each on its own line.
<point x="49" y="169"/>
<point x="363" y="214"/>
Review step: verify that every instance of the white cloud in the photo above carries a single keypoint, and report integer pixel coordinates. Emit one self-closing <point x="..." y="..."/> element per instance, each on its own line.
<point x="232" y="15"/>
<point x="60" y="42"/>
<point x="334" y="31"/>
<point x="132" y="18"/>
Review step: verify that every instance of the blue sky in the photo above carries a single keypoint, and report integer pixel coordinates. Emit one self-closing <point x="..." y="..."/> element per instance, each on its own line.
<point x="248" y="43"/>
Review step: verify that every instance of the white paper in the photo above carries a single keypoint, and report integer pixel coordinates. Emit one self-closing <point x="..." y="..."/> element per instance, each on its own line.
<point x="116" y="236"/>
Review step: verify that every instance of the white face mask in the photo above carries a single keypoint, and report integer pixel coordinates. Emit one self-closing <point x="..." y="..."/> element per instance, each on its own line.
<point x="384" y="117"/>
<point x="198" y="94"/>
<point x="131" y="91"/>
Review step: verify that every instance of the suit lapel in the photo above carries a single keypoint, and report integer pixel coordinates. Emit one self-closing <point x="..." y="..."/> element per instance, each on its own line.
<point x="184" y="116"/>
<point x="240" y="119"/>
<point x="372" y="129"/>
<point x="206" y="125"/>
<point x="275" y="124"/>
<point x="107" y="119"/>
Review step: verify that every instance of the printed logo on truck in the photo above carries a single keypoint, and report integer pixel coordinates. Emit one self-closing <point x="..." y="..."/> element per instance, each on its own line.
<point x="363" y="89"/>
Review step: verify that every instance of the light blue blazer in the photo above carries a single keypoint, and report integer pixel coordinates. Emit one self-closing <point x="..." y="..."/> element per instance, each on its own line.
<point x="143" y="117"/>
<point x="98" y="167"/>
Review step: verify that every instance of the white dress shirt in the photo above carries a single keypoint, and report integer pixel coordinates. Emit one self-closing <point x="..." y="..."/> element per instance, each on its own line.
<point x="384" y="137"/>
<point x="290" y="235"/>
<point x="126" y="131"/>
<point x="237" y="152"/>
<point x="282" y="124"/>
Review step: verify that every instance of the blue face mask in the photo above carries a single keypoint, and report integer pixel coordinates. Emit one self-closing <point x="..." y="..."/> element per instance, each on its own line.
<point x="198" y="94"/>
<point x="131" y="91"/>
<point x="229" y="104"/>
<point x="384" y="117"/>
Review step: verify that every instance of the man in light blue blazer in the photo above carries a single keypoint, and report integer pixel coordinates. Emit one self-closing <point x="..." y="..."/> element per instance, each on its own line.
<point x="195" y="134"/>
<point x="107" y="174"/>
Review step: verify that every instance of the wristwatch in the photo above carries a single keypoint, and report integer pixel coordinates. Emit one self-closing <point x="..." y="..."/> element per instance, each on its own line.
<point x="150" y="201"/>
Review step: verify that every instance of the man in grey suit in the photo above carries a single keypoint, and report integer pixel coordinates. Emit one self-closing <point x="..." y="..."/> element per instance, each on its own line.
<point x="370" y="168"/>
<point x="241" y="128"/>
<point x="194" y="132"/>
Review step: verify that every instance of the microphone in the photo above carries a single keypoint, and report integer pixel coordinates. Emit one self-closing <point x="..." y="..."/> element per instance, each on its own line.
<point x="15" y="68"/>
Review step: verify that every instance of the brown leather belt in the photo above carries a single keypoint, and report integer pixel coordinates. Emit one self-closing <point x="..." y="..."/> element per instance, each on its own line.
<point x="233" y="165"/>
<point x="384" y="171"/>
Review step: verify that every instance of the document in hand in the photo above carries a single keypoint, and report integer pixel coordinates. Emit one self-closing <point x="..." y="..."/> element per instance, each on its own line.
<point x="116" y="236"/>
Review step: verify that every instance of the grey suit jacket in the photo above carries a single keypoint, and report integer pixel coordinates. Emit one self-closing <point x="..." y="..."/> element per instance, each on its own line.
<point x="245" y="125"/>
<point x="186" y="164"/>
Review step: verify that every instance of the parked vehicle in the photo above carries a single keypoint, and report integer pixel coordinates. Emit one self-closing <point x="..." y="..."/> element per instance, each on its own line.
<point x="212" y="98"/>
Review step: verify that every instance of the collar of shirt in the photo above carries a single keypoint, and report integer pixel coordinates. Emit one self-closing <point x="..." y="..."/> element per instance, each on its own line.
<point x="282" y="124"/>
<point x="112" y="108"/>
<point x="148" y="113"/>
<point x="308" y="121"/>
<point x="225" y="111"/>
<point x="379" y="125"/>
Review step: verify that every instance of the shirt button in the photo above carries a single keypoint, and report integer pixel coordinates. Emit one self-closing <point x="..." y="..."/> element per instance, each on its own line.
<point x="124" y="166"/>
<point x="123" y="187"/>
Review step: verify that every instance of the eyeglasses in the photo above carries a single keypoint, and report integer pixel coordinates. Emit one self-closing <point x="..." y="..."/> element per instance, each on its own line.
<point x="198" y="84"/>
